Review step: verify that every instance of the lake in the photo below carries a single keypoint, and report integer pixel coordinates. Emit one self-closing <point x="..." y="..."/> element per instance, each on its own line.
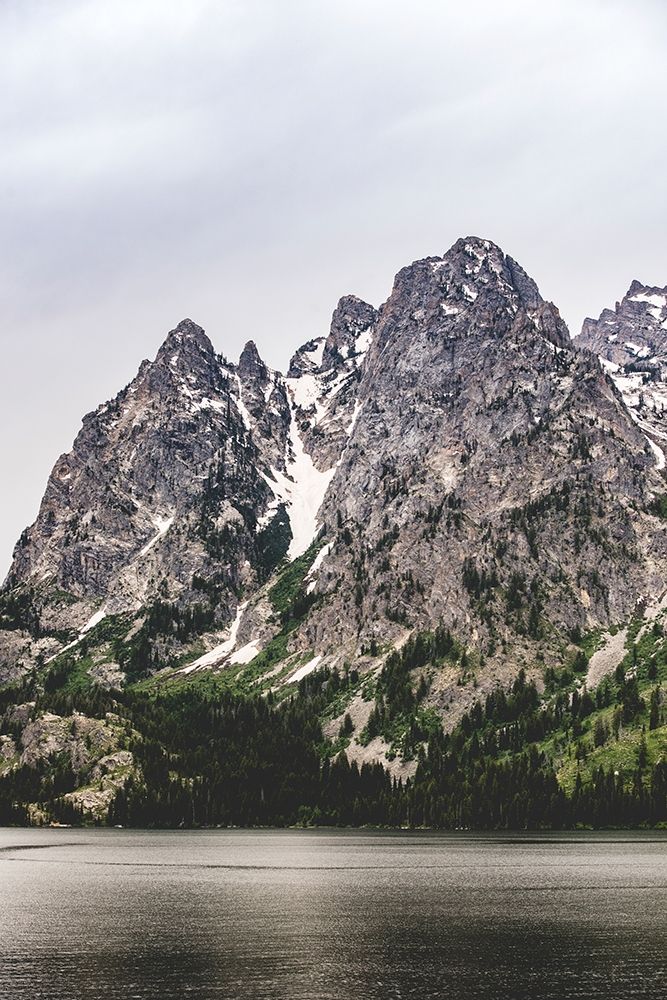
<point x="344" y="915"/>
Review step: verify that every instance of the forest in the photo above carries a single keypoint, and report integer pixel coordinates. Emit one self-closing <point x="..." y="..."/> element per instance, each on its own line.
<point x="205" y="755"/>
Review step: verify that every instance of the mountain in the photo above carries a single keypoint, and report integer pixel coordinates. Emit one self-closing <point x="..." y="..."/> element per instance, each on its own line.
<point x="631" y="341"/>
<point x="442" y="495"/>
<point x="139" y="510"/>
<point x="486" y="450"/>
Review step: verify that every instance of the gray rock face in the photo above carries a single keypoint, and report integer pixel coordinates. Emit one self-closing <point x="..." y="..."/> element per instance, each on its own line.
<point x="631" y="342"/>
<point x="83" y="740"/>
<point x="489" y="458"/>
<point x="263" y="395"/>
<point x="464" y="461"/>
<point x="348" y="337"/>
<point x="139" y="467"/>
<point x="162" y="487"/>
<point x="323" y="381"/>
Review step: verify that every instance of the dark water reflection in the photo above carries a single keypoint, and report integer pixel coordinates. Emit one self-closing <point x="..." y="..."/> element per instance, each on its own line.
<point x="96" y="914"/>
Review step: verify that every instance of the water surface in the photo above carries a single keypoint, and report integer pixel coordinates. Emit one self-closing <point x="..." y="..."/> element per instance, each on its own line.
<point x="351" y="916"/>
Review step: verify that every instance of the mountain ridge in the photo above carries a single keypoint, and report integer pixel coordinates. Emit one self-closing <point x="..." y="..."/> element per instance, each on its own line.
<point x="301" y="425"/>
<point x="450" y="461"/>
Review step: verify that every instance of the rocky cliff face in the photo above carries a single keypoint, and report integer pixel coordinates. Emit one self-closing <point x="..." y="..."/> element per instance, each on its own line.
<point x="160" y="499"/>
<point x="323" y="379"/>
<point x="451" y="457"/>
<point x="163" y="486"/>
<point x="184" y="492"/>
<point x="492" y="480"/>
<point x="631" y="341"/>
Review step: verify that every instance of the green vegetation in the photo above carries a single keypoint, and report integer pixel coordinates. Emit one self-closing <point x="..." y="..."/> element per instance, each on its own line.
<point x="291" y="604"/>
<point x="287" y="595"/>
<point x="17" y="611"/>
<point x="659" y="506"/>
<point x="212" y="749"/>
<point x="396" y="715"/>
<point x="273" y="542"/>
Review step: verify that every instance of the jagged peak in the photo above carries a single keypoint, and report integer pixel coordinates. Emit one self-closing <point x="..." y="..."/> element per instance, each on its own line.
<point x="250" y="362"/>
<point x="353" y="308"/>
<point x="649" y="300"/>
<point x="469" y="260"/>
<point x="351" y="318"/>
<point x="252" y="369"/>
<point x="487" y="256"/>
<point x="307" y="358"/>
<point x="637" y="288"/>
<point x="250" y="351"/>
<point x="474" y="276"/>
<point x="186" y="337"/>
<point x="475" y="246"/>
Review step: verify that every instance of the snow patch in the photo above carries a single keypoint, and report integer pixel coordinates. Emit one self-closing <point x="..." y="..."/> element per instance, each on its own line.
<point x="240" y="405"/>
<point x="315" y="356"/>
<point x="636" y="349"/>
<point x="658" y="452"/>
<point x="269" y="514"/>
<point x="303" y="671"/>
<point x="656" y="303"/>
<point x="301" y="488"/>
<point x="246" y="653"/>
<point x="317" y="562"/>
<point x="219" y="652"/>
<point x="95" y="620"/>
<point x="357" y="410"/>
<point x="162" y="524"/>
<point x="363" y="340"/>
<point x="333" y="388"/>
<point x="631" y="388"/>
<point x="306" y="392"/>
<point x="479" y="254"/>
<point x="90" y="624"/>
<point x="209" y="404"/>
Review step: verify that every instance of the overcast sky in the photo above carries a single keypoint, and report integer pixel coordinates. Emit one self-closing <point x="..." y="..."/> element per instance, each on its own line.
<point x="247" y="163"/>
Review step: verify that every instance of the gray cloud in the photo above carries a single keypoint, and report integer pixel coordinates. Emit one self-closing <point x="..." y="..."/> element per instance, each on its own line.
<point x="246" y="163"/>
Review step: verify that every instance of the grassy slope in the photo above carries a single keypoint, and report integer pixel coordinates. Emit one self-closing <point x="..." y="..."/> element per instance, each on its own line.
<point x="619" y="753"/>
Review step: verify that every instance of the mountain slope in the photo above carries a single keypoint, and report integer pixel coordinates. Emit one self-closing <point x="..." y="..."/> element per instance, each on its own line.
<point x="631" y="341"/>
<point x="162" y="488"/>
<point x="493" y="479"/>
<point x="184" y="492"/>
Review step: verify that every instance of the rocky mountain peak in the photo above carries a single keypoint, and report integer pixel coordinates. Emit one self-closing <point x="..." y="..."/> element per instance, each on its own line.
<point x="474" y="253"/>
<point x="631" y="342"/>
<point x="649" y="300"/>
<point x="349" y="334"/>
<point x="186" y="370"/>
<point x="307" y="359"/>
<point x="188" y="337"/>
<point x="643" y="306"/>
<point x="251" y="364"/>
<point x="633" y="335"/>
<point x="473" y="288"/>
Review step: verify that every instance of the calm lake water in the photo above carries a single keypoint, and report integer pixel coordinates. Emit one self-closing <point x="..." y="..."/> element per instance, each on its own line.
<point x="106" y="914"/>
